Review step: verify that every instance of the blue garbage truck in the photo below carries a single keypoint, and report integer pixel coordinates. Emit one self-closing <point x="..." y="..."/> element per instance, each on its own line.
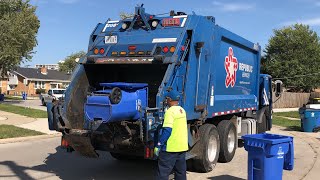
<point x="115" y="101"/>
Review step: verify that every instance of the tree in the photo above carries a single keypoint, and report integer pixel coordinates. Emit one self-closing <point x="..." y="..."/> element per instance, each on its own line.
<point x="293" y="55"/>
<point x="19" y="27"/>
<point x="70" y="62"/>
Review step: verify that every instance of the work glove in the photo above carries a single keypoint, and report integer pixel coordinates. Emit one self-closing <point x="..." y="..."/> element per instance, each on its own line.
<point x="156" y="151"/>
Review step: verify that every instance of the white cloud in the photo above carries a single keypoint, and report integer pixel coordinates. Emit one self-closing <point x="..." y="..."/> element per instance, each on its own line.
<point x="232" y="7"/>
<point x="68" y="1"/>
<point x="311" y="22"/>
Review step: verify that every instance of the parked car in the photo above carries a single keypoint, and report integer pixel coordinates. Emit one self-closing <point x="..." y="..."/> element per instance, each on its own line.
<point x="53" y="94"/>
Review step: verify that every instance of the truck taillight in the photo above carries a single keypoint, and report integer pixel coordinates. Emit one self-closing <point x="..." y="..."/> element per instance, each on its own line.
<point x="101" y="51"/>
<point x="96" y="51"/>
<point x="165" y="49"/>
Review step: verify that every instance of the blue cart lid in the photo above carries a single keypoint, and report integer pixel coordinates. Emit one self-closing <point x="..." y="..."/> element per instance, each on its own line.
<point x="123" y="85"/>
<point x="267" y="138"/>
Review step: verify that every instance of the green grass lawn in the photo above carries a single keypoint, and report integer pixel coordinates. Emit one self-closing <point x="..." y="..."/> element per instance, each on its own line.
<point x="6" y="97"/>
<point x="29" y="112"/>
<point x="291" y="124"/>
<point x="10" y="131"/>
<point x="292" y="114"/>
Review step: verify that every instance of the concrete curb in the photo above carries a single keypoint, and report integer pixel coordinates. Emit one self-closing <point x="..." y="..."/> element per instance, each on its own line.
<point x="28" y="138"/>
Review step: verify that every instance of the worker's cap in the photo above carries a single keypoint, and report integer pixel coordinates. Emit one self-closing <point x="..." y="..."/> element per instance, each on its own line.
<point x="173" y="95"/>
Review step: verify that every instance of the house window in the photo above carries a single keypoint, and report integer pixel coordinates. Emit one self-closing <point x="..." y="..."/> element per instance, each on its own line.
<point x="11" y="87"/>
<point x="39" y="85"/>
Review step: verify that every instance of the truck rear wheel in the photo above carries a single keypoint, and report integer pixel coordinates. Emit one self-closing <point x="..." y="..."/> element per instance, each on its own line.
<point x="228" y="140"/>
<point x="207" y="149"/>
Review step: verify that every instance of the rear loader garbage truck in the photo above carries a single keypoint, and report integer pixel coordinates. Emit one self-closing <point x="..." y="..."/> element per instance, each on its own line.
<point x="115" y="101"/>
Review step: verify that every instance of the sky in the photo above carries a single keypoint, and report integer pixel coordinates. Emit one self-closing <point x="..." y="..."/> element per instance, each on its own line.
<point x="65" y="25"/>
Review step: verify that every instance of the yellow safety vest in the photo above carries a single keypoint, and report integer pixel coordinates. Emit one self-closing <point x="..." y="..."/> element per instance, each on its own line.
<point x="176" y="118"/>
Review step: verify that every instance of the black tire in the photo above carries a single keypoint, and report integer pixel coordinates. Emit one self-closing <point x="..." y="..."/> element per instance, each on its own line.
<point x="202" y="162"/>
<point x="228" y="140"/>
<point x="43" y="102"/>
<point x="262" y="127"/>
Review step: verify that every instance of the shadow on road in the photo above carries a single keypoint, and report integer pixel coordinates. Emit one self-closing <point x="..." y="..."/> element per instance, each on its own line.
<point x="73" y="166"/>
<point x="225" y="177"/>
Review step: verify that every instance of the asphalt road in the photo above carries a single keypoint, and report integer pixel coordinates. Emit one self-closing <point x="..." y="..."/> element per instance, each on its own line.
<point x="43" y="159"/>
<point x="32" y="103"/>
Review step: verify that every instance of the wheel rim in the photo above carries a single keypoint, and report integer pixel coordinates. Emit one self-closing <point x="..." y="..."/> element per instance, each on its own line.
<point x="231" y="141"/>
<point x="212" y="148"/>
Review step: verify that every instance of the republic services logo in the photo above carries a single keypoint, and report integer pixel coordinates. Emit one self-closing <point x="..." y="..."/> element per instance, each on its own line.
<point x="231" y="66"/>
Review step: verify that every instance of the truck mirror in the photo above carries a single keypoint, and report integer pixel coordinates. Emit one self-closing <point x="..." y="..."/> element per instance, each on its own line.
<point x="278" y="89"/>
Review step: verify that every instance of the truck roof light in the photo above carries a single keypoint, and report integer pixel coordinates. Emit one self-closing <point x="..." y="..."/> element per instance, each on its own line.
<point x="141" y="52"/>
<point x="123" y="53"/>
<point x="101" y="51"/>
<point x="96" y="51"/>
<point x="172" y="49"/>
<point x="132" y="53"/>
<point x="114" y="53"/>
<point x="165" y="49"/>
<point x="148" y="52"/>
<point x="132" y="48"/>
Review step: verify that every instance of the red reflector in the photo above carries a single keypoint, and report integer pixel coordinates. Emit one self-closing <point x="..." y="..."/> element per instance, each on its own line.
<point x="171" y="22"/>
<point x="101" y="51"/>
<point x="147" y="152"/>
<point x="165" y="49"/>
<point x="183" y="48"/>
<point x="64" y="143"/>
<point x="132" y="48"/>
<point x="150" y="17"/>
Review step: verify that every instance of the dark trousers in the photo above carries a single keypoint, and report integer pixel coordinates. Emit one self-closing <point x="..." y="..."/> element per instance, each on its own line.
<point x="172" y="162"/>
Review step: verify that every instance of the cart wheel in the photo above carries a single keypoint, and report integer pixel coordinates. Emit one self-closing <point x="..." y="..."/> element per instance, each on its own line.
<point x="116" y="95"/>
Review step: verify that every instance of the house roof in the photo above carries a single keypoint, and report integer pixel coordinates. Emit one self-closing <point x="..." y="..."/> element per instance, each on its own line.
<point x="34" y="73"/>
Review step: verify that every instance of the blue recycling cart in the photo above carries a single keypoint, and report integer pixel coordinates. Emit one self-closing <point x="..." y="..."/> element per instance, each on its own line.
<point x="268" y="155"/>
<point x="310" y="119"/>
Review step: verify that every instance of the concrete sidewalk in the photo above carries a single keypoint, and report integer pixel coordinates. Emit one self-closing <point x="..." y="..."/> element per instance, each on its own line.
<point x="40" y="124"/>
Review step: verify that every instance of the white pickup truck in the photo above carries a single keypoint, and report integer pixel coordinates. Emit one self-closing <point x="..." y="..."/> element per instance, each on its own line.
<point x="53" y="94"/>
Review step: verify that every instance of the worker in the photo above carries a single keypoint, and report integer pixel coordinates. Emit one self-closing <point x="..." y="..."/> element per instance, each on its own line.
<point x="173" y="142"/>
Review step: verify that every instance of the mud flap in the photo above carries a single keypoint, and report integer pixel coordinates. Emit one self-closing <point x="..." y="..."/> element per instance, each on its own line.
<point x="82" y="144"/>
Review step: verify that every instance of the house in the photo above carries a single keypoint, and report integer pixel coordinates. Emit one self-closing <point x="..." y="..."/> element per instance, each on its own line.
<point x="3" y="84"/>
<point x="31" y="80"/>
